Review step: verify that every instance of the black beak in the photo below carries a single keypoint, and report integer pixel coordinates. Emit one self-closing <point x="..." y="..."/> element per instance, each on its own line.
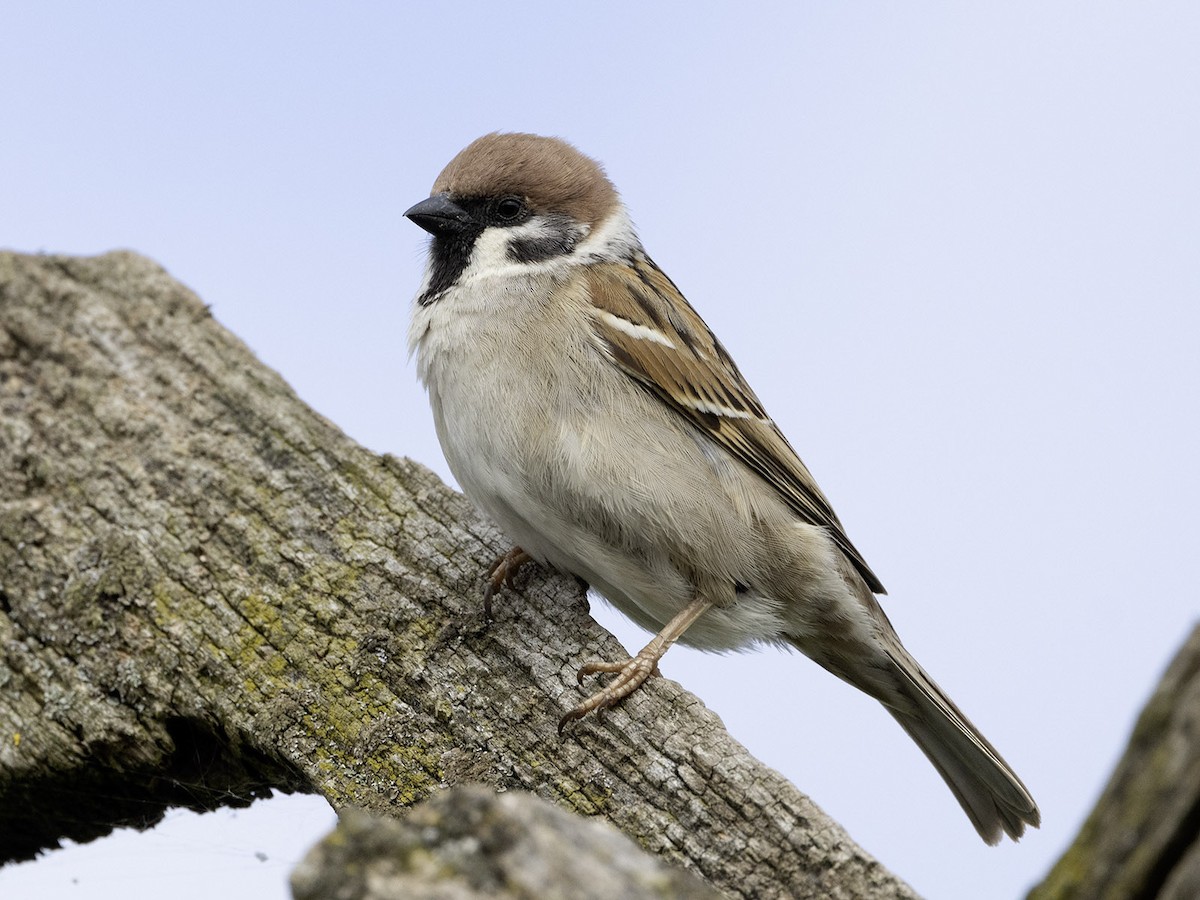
<point x="440" y="215"/>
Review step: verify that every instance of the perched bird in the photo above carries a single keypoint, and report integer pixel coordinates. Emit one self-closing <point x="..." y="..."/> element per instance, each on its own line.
<point x="586" y="407"/>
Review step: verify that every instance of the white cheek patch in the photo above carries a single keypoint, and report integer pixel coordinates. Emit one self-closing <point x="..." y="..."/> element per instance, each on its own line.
<point x="536" y="228"/>
<point x="491" y="256"/>
<point x="490" y="253"/>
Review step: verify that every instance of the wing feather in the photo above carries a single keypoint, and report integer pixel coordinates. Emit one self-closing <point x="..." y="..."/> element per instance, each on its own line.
<point x="692" y="373"/>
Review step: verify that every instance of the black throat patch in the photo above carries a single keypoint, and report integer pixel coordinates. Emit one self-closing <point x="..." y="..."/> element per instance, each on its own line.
<point x="449" y="254"/>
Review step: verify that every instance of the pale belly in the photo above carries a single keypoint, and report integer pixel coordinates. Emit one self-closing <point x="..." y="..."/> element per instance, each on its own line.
<point x="581" y="468"/>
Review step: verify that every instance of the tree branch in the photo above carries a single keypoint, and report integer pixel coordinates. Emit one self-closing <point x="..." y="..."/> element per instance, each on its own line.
<point x="1142" y="839"/>
<point x="208" y="592"/>
<point x="468" y="842"/>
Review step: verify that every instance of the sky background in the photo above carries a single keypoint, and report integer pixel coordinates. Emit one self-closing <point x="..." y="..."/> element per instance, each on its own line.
<point x="954" y="247"/>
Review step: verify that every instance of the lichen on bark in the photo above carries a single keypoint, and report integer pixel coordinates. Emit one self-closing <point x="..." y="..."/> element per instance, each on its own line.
<point x="209" y="593"/>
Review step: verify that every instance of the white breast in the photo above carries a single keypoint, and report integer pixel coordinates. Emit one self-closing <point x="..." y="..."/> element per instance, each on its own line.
<point x="581" y="467"/>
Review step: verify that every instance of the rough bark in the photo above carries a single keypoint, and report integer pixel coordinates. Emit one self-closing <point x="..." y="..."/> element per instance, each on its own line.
<point x="1142" y="839"/>
<point x="208" y="592"/>
<point x="469" y="843"/>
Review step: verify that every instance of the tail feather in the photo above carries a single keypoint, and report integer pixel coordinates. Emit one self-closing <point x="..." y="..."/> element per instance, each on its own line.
<point x="988" y="790"/>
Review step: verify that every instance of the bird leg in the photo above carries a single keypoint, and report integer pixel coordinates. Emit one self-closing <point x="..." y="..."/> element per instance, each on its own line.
<point x="632" y="673"/>
<point x="502" y="572"/>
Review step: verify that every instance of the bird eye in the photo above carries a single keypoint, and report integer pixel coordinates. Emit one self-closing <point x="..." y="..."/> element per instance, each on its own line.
<point x="508" y="209"/>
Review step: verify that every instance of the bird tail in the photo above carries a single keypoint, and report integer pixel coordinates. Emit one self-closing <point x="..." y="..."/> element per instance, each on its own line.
<point x="990" y="793"/>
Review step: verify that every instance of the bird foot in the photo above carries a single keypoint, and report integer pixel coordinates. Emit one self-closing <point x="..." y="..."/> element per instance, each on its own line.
<point x="503" y="572"/>
<point x="631" y="674"/>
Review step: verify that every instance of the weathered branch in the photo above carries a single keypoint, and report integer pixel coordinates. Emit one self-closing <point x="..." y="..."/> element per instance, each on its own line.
<point x="469" y="842"/>
<point x="1142" y="839"/>
<point x="207" y="592"/>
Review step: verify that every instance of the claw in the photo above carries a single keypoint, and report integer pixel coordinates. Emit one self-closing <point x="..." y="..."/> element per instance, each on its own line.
<point x="614" y="668"/>
<point x="503" y="572"/>
<point x="632" y="673"/>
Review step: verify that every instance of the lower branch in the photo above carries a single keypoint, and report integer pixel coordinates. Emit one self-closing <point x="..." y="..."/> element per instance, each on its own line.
<point x="208" y="593"/>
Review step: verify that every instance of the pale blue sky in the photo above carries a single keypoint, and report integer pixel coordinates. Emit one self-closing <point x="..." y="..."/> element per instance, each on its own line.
<point x="953" y="247"/>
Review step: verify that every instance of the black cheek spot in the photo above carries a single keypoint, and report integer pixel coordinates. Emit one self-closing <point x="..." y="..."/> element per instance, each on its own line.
<point x="558" y="238"/>
<point x="533" y="250"/>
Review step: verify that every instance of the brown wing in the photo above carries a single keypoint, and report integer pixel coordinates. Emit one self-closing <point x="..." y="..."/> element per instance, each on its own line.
<point x="654" y="334"/>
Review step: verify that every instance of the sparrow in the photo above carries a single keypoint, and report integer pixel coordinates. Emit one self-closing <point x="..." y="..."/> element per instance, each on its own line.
<point x="585" y="407"/>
